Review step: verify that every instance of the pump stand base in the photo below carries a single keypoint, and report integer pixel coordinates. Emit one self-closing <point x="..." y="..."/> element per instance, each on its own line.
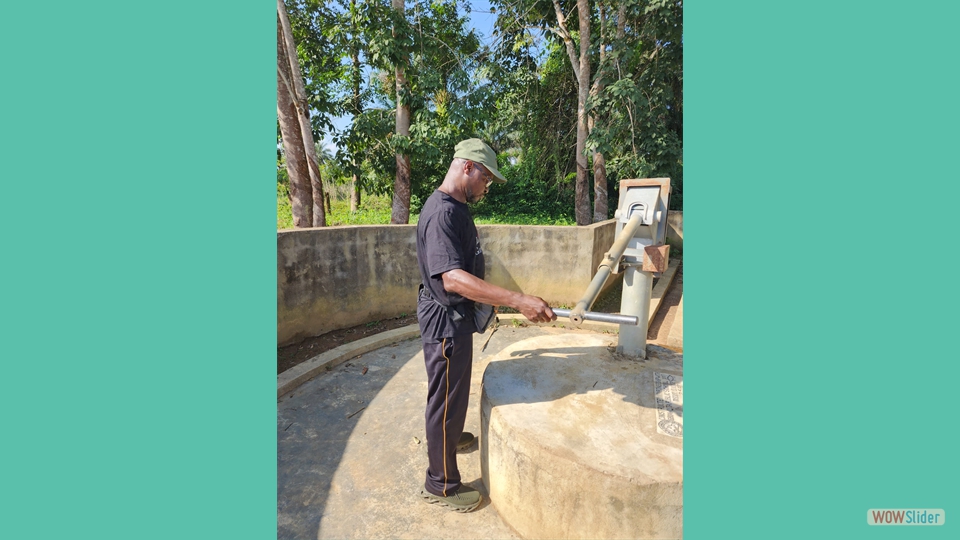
<point x="576" y="442"/>
<point x="639" y="354"/>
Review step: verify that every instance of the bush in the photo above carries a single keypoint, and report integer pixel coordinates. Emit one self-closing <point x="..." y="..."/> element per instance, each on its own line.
<point x="284" y="211"/>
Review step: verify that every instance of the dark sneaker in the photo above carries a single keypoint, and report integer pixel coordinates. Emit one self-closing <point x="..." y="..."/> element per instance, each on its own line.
<point x="466" y="440"/>
<point x="464" y="499"/>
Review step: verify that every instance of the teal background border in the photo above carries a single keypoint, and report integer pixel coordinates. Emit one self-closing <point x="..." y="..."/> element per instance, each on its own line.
<point x="820" y="195"/>
<point x="139" y="297"/>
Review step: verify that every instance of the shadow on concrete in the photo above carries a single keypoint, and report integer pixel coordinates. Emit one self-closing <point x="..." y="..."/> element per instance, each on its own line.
<point x="315" y="423"/>
<point x="549" y="374"/>
<point x="352" y="449"/>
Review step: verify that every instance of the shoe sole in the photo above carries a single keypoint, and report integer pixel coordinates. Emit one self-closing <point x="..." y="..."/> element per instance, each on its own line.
<point x="432" y="499"/>
<point x="465" y="446"/>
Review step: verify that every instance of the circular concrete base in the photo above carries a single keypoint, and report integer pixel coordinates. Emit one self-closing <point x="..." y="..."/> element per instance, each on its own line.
<point x="574" y="444"/>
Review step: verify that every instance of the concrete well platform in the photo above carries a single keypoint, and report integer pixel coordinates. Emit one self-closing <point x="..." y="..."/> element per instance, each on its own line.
<point x="580" y="442"/>
<point x="351" y="448"/>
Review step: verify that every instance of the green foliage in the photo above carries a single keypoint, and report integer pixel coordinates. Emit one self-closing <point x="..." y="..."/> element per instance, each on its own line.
<point x="639" y="113"/>
<point x="375" y="210"/>
<point x="521" y="97"/>
<point x="284" y="212"/>
<point x="527" y="197"/>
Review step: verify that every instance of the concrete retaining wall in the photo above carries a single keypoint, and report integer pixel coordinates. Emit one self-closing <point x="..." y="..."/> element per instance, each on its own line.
<point x="675" y="229"/>
<point x="338" y="277"/>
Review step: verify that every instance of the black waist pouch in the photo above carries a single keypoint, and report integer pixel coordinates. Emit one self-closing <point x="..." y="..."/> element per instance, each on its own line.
<point x="483" y="314"/>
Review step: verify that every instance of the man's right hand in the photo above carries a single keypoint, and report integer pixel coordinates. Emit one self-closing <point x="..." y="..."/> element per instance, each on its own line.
<point x="535" y="309"/>
<point x="470" y="286"/>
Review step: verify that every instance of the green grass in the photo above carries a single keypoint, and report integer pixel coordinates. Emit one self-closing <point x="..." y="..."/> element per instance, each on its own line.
<point x="522" y="219"/>
<point x="375" y="210"/>
<point x="284" y="213"/>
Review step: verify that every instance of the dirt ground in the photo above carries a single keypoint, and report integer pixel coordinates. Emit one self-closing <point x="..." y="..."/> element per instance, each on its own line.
<point x="609" y="302"/>
<point x="291" y="355"/>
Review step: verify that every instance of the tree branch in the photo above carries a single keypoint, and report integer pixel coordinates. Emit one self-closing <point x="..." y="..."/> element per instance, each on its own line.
<point x="567" y="39"/>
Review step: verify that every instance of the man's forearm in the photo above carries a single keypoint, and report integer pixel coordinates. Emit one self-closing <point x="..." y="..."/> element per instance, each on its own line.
<point x="470" y="286"/>
<point x="478" y="290"/>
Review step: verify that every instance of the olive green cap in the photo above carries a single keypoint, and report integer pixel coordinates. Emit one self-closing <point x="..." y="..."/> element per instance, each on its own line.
<point x="477" y="151"/>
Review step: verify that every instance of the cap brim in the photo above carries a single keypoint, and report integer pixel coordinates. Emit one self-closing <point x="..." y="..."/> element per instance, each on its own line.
<point x="497" y="177"/>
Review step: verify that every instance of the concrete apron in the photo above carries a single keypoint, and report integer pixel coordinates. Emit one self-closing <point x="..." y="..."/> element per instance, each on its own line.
<point x="579" y="442"/>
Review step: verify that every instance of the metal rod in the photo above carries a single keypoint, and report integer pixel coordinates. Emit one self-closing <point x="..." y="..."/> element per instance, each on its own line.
<point x="601" y="317"/>
<point x="610" y="259"/>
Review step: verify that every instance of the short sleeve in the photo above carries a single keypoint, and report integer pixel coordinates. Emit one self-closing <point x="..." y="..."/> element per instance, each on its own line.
<point x="444" y="250"/>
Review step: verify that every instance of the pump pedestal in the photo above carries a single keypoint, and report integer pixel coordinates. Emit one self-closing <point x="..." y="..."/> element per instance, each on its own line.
<point x="578" y="441"/>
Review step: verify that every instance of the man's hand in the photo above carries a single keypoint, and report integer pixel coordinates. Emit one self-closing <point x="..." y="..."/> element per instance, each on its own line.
<point x="535" y="309"/>
<point x="474" y="288"/>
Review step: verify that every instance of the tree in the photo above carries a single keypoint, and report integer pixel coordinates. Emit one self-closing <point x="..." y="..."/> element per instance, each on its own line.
<point x="600" y="207"/>
<point x="356" y="103"/>
<point x="581" y="70"/>
<point x="639" y="108"/>
<point x="400" y="213"/>
<point x="438" y="92"/>
<point x="414" y="81"/>
<point x="534" y="15"/>
<point x="306" y="186"/>
<point x="633" y="107"/>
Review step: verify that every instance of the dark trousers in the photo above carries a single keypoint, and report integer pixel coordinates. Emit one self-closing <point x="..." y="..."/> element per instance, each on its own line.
<point x="449" y="364"/>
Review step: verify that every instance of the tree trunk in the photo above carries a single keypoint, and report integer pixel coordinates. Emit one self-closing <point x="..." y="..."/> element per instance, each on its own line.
<point x="355" y="56"/>
<point x="301" y="192"/>
<point x="355" y="178"/>
<point x="355" y="191"/>
<point x="292" y="81"/>
<point x="400" y="213"/>
<point x="582" y="198"/>
<point x="600" y="209"/>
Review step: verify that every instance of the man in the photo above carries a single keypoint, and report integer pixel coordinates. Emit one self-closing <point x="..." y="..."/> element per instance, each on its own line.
<point x="451" y="271"/>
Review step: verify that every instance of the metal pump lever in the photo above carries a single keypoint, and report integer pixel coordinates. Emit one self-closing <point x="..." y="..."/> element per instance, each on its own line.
<point x="610" y="260"/>
<point x="600" y="317"/>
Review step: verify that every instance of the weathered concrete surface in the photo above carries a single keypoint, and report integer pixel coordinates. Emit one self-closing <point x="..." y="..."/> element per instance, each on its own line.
<point x="337" y="277"/>
<point x="290" y="379"/>
<point x="661" y="288"/>
<point x="675" y="229"/>
<point x="675" y="336"/>
<point x="554" y="263"/>
<point x="340" y="477"/>
<point x="570" y="444"/>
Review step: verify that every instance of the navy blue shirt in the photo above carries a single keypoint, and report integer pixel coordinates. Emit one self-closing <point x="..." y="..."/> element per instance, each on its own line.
<point x="446" y="240"/>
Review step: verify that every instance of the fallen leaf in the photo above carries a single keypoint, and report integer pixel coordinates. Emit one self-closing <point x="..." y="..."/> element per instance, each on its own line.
<point x="364" y="372"/>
